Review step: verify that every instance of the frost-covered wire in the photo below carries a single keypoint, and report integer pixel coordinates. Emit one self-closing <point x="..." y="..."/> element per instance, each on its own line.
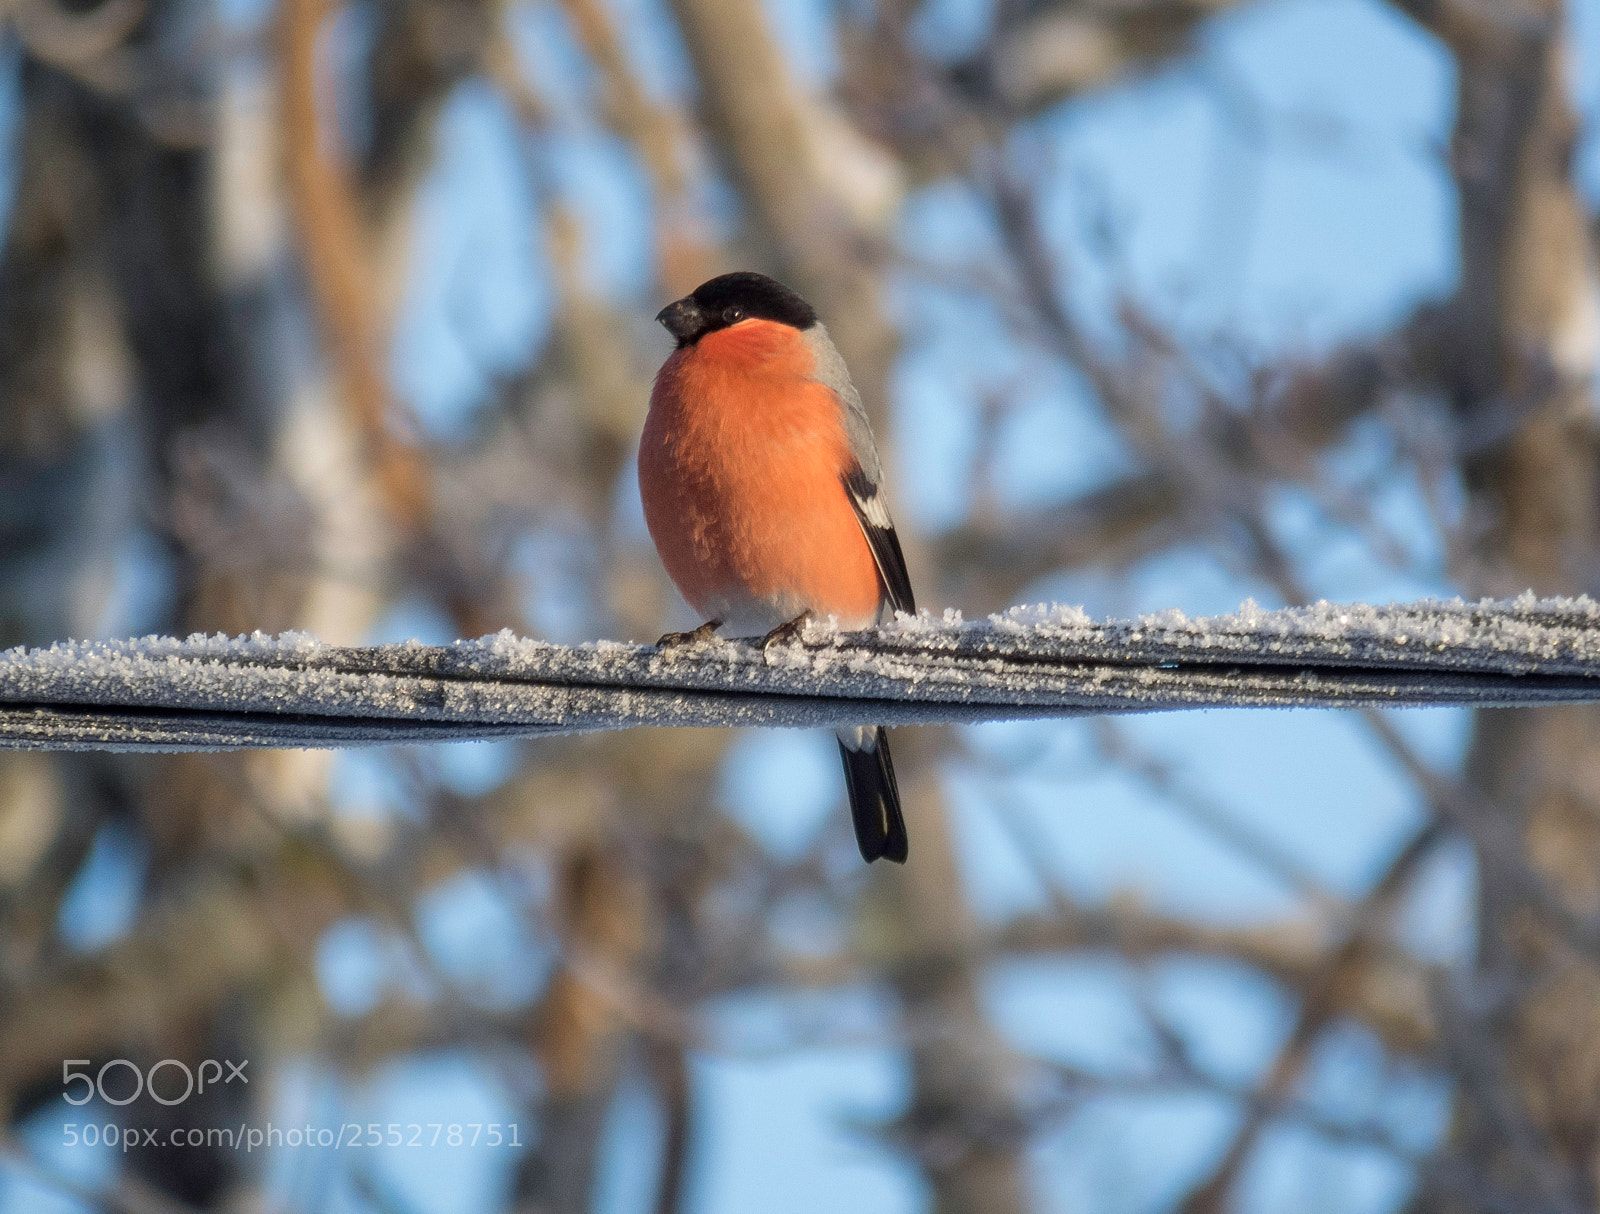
<point x="292" y="690"/>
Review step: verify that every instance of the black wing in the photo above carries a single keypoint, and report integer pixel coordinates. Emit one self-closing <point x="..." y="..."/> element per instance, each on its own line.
<point x="873" y="516"/>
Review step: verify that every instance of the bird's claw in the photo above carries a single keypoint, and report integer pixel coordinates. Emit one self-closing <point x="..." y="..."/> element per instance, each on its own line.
<point x="785" y="632"/>
<point x="695" y="636"/>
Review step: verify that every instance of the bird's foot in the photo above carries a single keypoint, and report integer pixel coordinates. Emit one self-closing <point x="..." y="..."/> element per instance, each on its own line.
<point x="786" y="631"/>
<point x="695" y="636"/>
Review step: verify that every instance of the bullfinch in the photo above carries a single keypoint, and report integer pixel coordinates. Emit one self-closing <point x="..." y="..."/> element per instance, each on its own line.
<point x="760" y="480"/>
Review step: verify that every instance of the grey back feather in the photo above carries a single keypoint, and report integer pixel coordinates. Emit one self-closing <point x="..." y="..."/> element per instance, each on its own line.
<point x="831" y="372"/>
<point x="861" y="482"/>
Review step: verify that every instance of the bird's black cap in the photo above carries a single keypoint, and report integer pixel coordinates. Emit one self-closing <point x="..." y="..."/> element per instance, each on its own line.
<point x="730" y="298"/>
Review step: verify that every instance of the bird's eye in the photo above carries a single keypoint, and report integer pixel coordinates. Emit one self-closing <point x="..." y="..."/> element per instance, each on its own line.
<point x="733" y="315"/>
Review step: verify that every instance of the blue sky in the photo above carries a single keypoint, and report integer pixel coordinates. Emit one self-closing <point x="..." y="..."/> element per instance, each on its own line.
<point x="1282" y="188"/>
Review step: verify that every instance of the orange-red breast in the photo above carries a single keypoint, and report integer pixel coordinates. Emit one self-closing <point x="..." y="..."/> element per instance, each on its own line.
<point x="760" y="485"/>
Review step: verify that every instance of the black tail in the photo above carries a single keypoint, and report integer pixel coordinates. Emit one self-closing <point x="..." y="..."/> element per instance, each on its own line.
<point x="874" y="799"/>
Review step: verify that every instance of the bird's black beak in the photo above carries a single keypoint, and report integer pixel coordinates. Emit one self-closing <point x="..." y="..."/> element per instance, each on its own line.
<point x="683" y="319"/>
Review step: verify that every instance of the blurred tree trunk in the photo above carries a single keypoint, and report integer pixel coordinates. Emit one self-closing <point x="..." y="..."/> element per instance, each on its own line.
<point x="963" y="1127"/>
<point x="117" y="329"/>
<point x="1523" y="333"/>
<point x="144" y="325"/>
<point x="579" y="1038"/>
